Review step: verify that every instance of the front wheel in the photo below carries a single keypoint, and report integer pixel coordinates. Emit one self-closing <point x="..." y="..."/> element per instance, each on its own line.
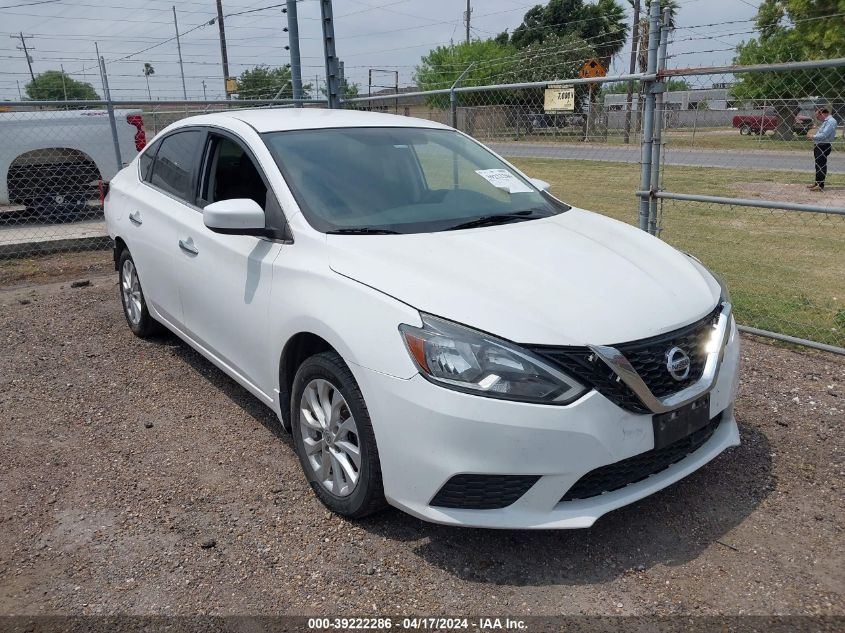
<point x="745" y="129"/>
<point x="334" y="438"/>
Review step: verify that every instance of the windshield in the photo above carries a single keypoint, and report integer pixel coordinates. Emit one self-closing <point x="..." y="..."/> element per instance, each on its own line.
<point x="402" y="180"/>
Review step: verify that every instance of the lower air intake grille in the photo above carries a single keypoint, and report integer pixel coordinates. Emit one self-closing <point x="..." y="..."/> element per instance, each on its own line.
<point x="483" y="492"/>
<point x="636" y="468"/>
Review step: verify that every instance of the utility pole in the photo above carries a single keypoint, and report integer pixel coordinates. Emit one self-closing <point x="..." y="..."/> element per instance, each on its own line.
<point x="293" y="46"/>
<point x="635" y="38"/>
<point x="223" y="54"/>
<point x="25" y="50"/>
<point x="109" y="107"/>
<point x="179" y="49"/>
<point x="64" y="87"/>
<point x="330" y="54"/>
<point x="467" y="16"/>
<point x="204" y="97"/>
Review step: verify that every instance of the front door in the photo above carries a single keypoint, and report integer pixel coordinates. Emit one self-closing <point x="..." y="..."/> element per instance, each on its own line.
<point x="225" y="280"/>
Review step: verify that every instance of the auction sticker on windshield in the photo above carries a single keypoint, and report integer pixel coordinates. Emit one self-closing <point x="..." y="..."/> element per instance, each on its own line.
<point x="503" y="179"/>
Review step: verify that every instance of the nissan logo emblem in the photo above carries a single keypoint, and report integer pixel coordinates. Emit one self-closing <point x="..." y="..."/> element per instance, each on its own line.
<point x="677" y="363"/>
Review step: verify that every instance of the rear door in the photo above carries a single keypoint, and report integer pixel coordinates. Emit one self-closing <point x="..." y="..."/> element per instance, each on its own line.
<point x="164" y="195"/>
<point x="225" y="283"/>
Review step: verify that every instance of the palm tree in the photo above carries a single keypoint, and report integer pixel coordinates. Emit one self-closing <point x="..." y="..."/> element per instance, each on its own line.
<point x="642" y="53"/>
<point x="149" y="70"/>
<point x="612" y="30"/>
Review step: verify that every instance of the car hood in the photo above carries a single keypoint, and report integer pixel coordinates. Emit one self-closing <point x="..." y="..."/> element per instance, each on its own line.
<point x="572" y="279"/>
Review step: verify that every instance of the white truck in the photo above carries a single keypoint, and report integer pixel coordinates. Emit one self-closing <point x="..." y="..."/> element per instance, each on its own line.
<point x="52" y="160"/>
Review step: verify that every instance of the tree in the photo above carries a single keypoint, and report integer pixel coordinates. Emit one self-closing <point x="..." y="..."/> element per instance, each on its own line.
<point x="148" y="70"/>
<point x="349" y="89"/>
<point x="792" y="30"/>
<point x="54" y="85"/>
<point x="264" y="82"/>
<point x="490" y="61"/>
<point x="556" y="57"/>
<point x="816" y="23"/>
<point x="601" y="24"/>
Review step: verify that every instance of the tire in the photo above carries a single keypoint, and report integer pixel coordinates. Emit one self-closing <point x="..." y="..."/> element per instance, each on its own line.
<point x="132" y="298"/>
<point x="328" y="464"/>
<point x="745" y="129"/>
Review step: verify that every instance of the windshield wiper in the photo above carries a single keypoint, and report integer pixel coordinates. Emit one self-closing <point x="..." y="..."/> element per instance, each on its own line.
<point x="502" y="218"/>
<point x="363" y="230"/>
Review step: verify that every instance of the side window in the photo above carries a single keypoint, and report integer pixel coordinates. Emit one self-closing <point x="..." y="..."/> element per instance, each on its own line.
<point x="175" y="163"/>
<point x="146" y="161"/>
<point x="232" y="174"/>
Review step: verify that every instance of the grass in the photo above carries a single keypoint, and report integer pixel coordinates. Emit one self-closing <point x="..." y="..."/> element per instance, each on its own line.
<point x="785" y="269"/>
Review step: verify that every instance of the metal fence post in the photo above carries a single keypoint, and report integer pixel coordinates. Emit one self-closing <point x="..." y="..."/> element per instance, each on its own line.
<point x="332" y="79"/>
<point x="453" y="97"/>
<point x="293" y="42"/>
<point x="659" y="88"/>
<point x="110" y="109"/>
<point x="648" y="112"/>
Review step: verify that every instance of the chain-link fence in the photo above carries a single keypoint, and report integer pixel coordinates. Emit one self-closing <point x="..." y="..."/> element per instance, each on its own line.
<point x="759" y="194"/>
<point x="717" y="161"/>
<point x="53" y="156"/>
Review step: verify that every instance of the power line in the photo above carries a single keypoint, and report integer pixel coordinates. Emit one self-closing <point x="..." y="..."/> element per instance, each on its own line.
<point x="29" y="4"/>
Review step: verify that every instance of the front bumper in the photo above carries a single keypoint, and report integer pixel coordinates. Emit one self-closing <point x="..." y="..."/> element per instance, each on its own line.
<point x="427" y="434"/>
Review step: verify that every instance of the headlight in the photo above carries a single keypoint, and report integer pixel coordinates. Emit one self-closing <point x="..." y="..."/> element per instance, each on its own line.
<point x="463" y="359"/>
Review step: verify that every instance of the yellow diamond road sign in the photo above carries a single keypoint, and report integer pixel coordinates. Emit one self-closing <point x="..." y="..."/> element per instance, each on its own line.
<point x="559" y="99"/>
<point x="592" y="68"/>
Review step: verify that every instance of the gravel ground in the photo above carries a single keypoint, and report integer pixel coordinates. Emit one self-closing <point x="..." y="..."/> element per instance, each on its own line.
<point x="136" y="478"/>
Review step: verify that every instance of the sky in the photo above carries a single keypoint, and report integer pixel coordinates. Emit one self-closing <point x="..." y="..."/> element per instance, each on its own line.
<point x="390" y="35"/>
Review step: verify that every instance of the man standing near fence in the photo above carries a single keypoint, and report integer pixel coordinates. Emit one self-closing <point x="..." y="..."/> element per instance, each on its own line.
<point x="822" y="143"/>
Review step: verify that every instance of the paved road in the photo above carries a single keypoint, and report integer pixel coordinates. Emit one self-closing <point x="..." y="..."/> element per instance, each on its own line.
<point x="773" y="161"/>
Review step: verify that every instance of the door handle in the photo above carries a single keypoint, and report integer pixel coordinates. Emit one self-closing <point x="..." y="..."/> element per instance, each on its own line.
<point x="188" y="246"/>
<point x="135" y="218"/>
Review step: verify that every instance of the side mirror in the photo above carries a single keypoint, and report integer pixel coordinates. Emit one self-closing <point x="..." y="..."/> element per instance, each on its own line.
<point x="542" y="185"/>
<point x="238" y="216"/>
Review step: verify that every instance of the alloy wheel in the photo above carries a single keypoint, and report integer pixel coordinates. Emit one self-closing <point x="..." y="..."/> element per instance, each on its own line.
<point x="330" y="437"/>
<point x="131" y="289"/>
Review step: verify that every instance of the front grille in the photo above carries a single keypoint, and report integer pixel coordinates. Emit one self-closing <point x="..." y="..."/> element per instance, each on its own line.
<point x="483" y="492"/>
<point x="639" y="467"/>
<point x="647" y="356"/>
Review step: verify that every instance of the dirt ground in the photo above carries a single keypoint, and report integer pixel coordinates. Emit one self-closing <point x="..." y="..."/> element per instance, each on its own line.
<point x="53" y="267"/>
<point x="832" y="196"/>
<point x="136" y="478"/>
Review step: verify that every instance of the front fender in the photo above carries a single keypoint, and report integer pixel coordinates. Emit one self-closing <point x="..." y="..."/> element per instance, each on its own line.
<point x="359" y="322"/>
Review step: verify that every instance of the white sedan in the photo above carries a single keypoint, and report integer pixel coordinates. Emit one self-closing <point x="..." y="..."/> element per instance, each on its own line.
<point x="436" y="330"/>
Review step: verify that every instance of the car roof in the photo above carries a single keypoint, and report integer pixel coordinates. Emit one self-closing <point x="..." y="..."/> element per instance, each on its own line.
<point x="284" y="119"/>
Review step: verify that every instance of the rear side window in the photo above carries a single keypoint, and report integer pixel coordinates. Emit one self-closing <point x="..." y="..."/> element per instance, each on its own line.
<point x="175" y="163"/>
